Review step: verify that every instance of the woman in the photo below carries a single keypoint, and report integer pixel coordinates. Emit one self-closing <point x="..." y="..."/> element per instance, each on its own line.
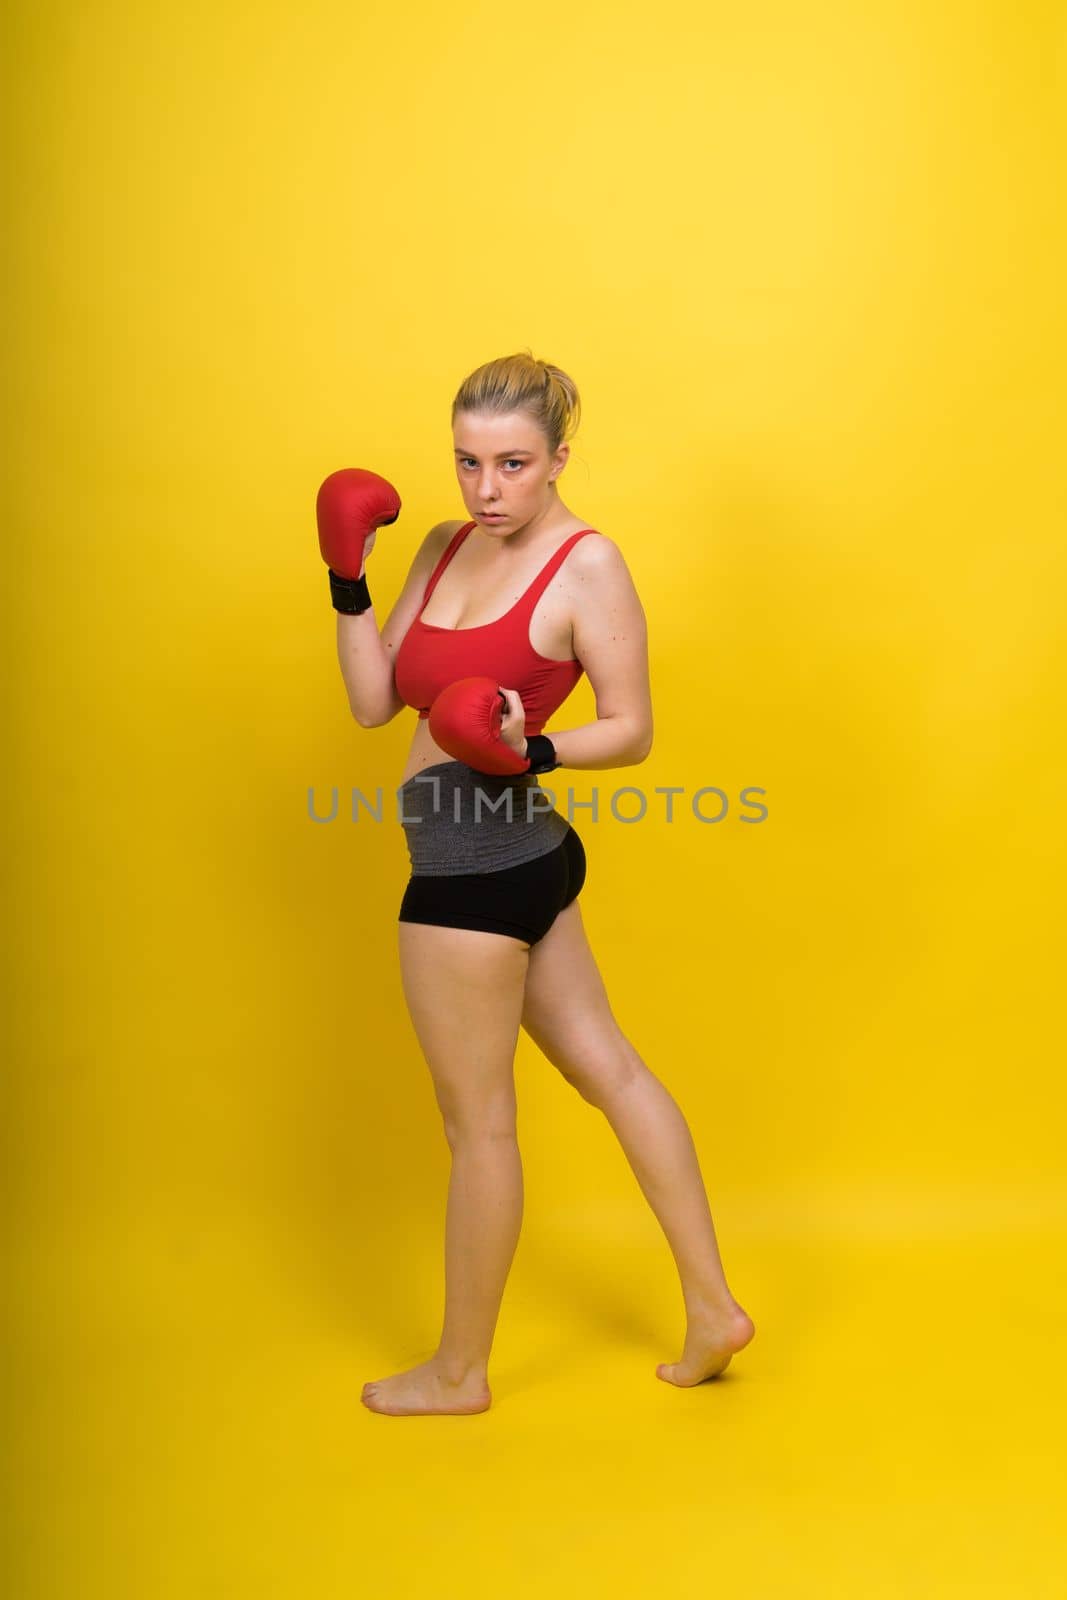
<point x="490" y="931"/>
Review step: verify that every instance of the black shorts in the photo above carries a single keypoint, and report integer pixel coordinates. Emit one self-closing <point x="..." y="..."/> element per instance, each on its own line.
<point x="522" y="901"/>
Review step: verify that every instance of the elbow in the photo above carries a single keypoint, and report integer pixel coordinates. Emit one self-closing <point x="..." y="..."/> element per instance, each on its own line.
<point x="368" y="720"/>
<point x="363" y="714"/>
<point x="635" y="744"/>
<point x="378" y="718"/>
<point x="641" y="748"/>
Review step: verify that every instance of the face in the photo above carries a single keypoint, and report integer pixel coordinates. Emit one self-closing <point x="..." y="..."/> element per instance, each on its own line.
<point x="503" y="466"/>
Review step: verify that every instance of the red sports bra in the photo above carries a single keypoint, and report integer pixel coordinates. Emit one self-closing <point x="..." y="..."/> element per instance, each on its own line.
<point x="430" y="657"/>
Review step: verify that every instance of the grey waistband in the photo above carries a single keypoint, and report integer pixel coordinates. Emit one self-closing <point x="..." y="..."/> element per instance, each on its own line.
<point x="459" y="820"/>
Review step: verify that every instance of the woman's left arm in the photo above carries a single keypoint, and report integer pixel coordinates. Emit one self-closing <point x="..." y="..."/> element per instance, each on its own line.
<point x="611" y="642"/>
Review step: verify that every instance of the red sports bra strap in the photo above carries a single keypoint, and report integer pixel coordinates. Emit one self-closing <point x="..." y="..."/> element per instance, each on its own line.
<point x="450" y="550"/>
<point x="550" y="568"/>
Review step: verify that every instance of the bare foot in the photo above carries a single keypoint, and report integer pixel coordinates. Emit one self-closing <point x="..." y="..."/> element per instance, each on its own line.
<point x="423" y="1391"/>
<point x="714" y="1334"/>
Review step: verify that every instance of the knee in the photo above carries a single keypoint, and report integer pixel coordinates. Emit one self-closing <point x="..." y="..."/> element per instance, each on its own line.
<point x="600" y="1082"/>
<point x="479" y="1123"/>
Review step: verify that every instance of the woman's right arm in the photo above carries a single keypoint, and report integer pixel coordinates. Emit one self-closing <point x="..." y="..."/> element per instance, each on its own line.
<point x="367" y="657"/>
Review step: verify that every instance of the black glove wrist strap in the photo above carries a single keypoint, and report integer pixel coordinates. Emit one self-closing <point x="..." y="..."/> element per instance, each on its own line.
<point x="541" y="753"/>
<point x="349" y="595"/>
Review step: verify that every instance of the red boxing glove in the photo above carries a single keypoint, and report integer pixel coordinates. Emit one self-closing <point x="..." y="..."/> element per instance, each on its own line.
<point x="351" y="505"/>
<point x="465" y="720"/>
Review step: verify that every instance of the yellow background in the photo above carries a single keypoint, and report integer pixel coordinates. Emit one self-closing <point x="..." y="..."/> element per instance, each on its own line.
<point x="805" y="264"/>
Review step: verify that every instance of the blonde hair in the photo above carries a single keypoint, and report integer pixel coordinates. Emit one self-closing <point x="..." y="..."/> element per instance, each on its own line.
<point x="523" y="382"/>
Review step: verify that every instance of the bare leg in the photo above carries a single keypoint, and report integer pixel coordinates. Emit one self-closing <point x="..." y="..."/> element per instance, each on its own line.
<point x="464" y="992"/>
<point x="567" y="1014"/>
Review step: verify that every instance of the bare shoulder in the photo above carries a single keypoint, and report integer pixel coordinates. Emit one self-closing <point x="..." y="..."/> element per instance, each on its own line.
<point x="600" y="572"/>
<point x="433" y="546"/>
<point x="429" y="552"/>
<point x="609" y="631"/>
<point x="597" y="553"/>
<point x="605" y="605"/>
<point x="441" y="532"/>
